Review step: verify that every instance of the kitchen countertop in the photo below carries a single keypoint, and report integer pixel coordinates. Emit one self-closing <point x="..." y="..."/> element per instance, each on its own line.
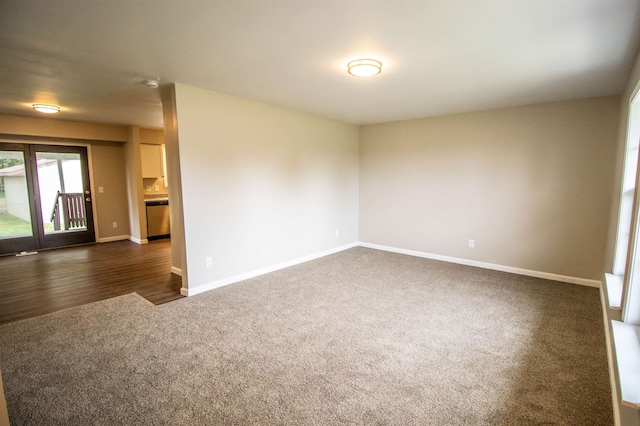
<point x="156" y="197"/>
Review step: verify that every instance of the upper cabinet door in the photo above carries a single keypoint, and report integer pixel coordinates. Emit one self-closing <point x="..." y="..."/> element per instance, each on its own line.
<point x="151" y="161"/>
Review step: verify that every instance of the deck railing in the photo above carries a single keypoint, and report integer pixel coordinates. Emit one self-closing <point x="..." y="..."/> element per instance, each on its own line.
<point x="74" y="212"/>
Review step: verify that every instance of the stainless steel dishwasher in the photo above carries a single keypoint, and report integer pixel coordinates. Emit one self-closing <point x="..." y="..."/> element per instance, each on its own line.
<point x="158" y="225"/>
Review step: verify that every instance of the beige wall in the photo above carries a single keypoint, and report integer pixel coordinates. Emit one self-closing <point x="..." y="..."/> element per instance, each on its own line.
<point x="152" y="183"/>
<point x="531" y="185"/>
<point x="109" y="173"/>
<point x="152" y="136"/>
<point x="261" y="184"/>
<point x="54" y="128"/>
<point x="174" y="178"/>
<point x="4" y="415"/>
<point x="133" y="173"/>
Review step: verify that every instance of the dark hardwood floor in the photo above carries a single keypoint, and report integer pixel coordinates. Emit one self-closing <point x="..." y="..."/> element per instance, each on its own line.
<point x="59" y="279"/>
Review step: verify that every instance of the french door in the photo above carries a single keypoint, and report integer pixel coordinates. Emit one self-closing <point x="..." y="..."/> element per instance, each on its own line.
<point x="45" y="197"/>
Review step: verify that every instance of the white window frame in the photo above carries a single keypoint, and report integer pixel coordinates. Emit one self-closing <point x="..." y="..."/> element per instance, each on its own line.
<point x="630" y="302"/>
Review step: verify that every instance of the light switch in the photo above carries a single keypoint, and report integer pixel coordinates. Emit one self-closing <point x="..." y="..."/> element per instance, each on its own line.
<point x="157" y="188"/>
<point x="148" y="187"/>
<point x="100" y="189"/>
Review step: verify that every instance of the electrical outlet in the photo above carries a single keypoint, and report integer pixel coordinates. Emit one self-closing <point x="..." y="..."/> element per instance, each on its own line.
<point x="337" y="233"/>
<point x="115" y="224"/>
<point x="207" y="262"/>
<point x="148" y="188"/>
<point x="472" y="243"/>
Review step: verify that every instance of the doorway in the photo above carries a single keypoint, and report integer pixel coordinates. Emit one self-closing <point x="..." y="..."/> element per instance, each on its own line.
<point x="45" y="197"/>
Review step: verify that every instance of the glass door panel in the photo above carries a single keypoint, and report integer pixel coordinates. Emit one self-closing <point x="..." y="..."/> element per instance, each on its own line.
<point x="62" y="198"/>
<point x="15" y="212"/>
<point x="64" y="206"/>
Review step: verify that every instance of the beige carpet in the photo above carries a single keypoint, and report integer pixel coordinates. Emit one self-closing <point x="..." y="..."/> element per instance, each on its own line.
<point x="359" y="337"/>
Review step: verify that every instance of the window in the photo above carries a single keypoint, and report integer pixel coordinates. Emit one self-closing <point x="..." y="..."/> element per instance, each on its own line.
<point x="628" y="187"/>
<point x="628" y="238"/>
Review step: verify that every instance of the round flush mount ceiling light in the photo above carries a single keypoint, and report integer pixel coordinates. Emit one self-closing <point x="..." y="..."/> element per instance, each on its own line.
<point x="364" y="67"/>
<point x="47" y="109"/>
<point x="153" y="84"/>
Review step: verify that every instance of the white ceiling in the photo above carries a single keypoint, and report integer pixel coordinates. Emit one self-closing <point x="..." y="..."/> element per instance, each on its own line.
<point x="440" y="57"/>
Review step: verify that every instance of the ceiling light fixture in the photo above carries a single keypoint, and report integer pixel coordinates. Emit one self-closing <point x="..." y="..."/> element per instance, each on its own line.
<point x="153" y="84"/>
<point x="47" y="109"/>
<point x="364" y="67"/>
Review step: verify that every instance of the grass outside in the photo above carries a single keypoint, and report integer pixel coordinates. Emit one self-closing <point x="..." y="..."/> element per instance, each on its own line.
<point x="11" y="226"/>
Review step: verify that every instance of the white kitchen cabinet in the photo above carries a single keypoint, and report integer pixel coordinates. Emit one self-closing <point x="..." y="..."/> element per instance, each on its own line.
<point x="151" y="161"/>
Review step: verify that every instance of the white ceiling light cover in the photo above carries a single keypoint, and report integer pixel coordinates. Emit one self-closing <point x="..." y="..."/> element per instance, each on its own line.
<point x="364" y="67"/>
<point x="47" y="109"/>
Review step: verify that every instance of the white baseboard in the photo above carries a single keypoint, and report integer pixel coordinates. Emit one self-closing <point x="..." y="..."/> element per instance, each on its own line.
<point x="241" y="277"/>
<point x="478" y="264"/>
<point x="111" y="239"/>
<point x="138" y="240"/>
<point x="176" y="271"/>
